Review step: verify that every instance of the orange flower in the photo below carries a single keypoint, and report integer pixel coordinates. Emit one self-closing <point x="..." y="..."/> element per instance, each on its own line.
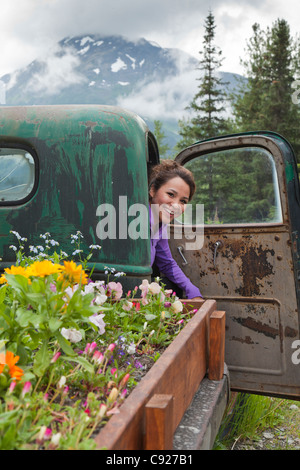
<point x="73" y="274"/>
<point x="10" y="361"/>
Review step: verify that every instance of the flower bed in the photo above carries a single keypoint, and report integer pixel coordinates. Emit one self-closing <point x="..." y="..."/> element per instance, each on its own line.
<point x="142" y="422"/>
<point x="73" y="349"/>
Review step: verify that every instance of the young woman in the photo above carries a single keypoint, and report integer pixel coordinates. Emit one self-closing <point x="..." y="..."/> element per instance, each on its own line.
<point x="171" y="187"/>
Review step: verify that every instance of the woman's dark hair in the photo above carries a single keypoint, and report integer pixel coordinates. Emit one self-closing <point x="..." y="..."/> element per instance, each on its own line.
<point x="168" y="169"/>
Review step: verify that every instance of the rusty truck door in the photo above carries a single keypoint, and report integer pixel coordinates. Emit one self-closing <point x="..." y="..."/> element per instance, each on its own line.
<point x="248" y="258"/>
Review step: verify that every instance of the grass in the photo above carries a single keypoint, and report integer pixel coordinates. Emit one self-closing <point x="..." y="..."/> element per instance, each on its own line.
<point x="248" y="417"/>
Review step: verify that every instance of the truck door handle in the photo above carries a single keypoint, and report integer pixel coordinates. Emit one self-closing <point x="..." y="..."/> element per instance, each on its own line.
<point x="180" y="251"/>
<point x="217" y="245"/>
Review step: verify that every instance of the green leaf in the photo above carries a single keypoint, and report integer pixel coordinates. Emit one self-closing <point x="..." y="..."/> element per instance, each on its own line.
<point x="54" y="324"/>
<point x="24" y="317"/>
<point x="17" y="281"/>
<point x="82" y="361"/>
<point x="42" y="360"/>
<point x="150" y="316"/>
<point x="36" y="297"/>
<point x="2" y="294"/>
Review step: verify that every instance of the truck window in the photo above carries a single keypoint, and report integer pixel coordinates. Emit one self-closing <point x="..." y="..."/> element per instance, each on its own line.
<point x="17" y="175"/>
<point x="237" y="186"/>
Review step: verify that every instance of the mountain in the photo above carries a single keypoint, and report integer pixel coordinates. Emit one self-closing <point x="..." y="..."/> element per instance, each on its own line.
<point x="155" y="82"/>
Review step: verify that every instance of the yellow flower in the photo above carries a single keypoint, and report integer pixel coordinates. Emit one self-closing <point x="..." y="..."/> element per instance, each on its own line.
<point x="43" y="268"/>
<point x="13" y="270"/>
<point x="73" y="274"/>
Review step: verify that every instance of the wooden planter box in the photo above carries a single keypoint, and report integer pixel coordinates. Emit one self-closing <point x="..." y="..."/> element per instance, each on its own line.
<point x="150" y="415"/>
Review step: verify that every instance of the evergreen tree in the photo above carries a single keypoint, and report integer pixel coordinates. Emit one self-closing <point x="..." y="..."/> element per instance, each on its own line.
<point x="160" y="137"/>
<point x="208" y="103"/>
<point x="265" y="103"/>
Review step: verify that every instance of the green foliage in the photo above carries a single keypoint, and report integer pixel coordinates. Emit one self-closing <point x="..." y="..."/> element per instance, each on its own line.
<point x="236" y="186"/>
<point x="70" y="350"/>
<point x="247" y="415"/>
<point x="207" y="106"/>
<point x="271" y="66"/>
<point x="160" y="137"/>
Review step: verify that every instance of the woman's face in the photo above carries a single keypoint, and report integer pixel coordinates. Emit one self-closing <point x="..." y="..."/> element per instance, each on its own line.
<point x="171" y="197"/>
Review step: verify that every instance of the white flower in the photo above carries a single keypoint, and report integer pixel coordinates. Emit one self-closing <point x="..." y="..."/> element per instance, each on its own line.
<point x="100" y="299"/>
<point x="71" y="334"/>
<point x="16" y="234"/>
<point x="62" y="382"/>
<point x="154" y="288"/>
<point x="98" y="321"/>
<point x="130" y="348"/>
<point x="55" y="439"/>
<point x="177" y="306"/>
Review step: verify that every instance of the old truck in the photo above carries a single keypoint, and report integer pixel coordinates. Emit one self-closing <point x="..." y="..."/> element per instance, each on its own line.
<point x="70" y="168"/>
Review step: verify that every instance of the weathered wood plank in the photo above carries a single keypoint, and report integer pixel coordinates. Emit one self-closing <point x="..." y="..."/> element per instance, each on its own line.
<point x="158" y="425"/>
<point x="216" y="346"/>
<point x="178" y="372"/>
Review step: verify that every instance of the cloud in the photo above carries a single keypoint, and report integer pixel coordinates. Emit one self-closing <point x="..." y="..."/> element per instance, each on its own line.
<point x="165" y="99"/>
<point x="30" y="27"/>
<point x="58" y="72"/>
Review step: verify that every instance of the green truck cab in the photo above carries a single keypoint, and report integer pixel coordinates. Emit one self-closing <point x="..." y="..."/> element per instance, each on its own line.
<point x="65" y="169"/>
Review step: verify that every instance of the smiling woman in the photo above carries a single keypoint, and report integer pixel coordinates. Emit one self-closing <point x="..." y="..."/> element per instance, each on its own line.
<point x="171" y="187"/>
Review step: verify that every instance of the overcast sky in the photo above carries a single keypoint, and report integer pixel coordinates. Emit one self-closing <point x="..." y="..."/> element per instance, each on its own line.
<point x="30" y="28"/>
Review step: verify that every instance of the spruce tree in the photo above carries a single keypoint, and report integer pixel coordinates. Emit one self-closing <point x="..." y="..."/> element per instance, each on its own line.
<point x="207" y="105"/>
<point x="266" y="101"/>
<point x="160" y="138"/>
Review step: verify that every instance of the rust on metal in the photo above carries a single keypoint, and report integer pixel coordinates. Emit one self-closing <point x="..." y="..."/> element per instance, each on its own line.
<point x="258" y="326"/>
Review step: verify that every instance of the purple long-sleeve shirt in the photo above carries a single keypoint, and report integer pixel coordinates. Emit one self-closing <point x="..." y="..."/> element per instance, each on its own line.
<point x="161" y="254"/>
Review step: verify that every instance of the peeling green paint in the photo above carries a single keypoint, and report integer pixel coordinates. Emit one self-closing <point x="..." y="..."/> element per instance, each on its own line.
<point x="87" y="155"/>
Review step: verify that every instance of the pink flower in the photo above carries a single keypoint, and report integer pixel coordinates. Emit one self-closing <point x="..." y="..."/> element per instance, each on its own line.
<point x="44" y="434"/>
<point x="115" y="289"/>
<point x="12" y="386"/>
<point x="124" y="380"/>
<point x="90" y="347"/>
<point x="48" y="433"/>
<point x="127" y="305"/>
<point x="55" y="357"/>
<point x="98" y="357"/>
<point x="144" y="288"/>
<point x="111" y="347"/>
<point x="52" y="287"/>
<point x="112" y="371"/>
<point x="168" y="292"/>
<point x="26" y="388"/>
